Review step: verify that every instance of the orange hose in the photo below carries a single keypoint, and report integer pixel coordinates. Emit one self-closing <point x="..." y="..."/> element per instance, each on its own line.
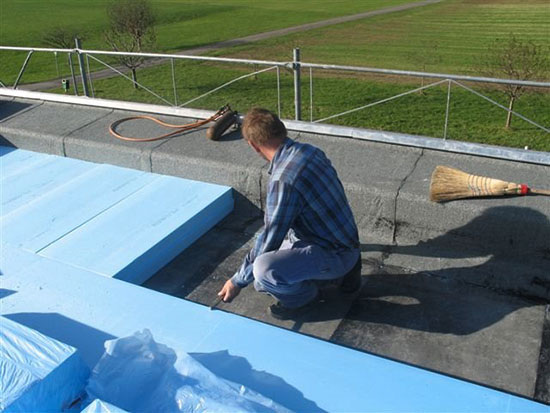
<point x="179" y="128"/>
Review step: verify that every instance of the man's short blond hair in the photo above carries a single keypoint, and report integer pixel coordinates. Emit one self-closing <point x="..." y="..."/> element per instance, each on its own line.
<point x="263" y="127"/>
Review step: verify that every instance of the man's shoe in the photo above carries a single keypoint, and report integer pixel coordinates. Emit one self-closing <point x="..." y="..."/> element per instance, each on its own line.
<point x="351" y="282"/>
<point x="280" y="312"/>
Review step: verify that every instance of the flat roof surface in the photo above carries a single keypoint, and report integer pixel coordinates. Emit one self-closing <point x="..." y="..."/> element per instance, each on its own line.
<point x="462" y="288"/>
<point x="78" y="305"/>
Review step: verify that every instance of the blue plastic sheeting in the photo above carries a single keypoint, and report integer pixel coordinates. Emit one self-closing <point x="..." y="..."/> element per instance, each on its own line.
<point x="113" y="221"/>
<point x="298" y="372"/>
<point x="37" y="373"/>
<point x="99" y="406"/>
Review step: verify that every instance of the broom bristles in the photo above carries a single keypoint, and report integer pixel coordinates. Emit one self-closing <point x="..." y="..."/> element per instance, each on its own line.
<point x="449" y="183"/>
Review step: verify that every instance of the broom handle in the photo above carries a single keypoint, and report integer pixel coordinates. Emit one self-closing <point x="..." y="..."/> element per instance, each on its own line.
<point x="540" y="191"/>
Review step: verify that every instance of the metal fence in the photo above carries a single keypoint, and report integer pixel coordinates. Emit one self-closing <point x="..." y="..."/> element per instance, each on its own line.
<point x="296" y="66"/>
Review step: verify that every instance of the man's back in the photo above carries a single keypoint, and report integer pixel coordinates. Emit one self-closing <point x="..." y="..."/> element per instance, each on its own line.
<point x="324" y="216"/>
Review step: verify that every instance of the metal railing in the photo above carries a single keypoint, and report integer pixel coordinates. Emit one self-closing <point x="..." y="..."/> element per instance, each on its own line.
<point x="296" y="66"/>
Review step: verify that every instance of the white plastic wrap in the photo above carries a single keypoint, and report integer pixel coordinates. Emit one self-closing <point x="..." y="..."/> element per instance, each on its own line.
<point x="37" y="373"/>
<point x="138" y="374"/>
<point x="99" y="406"/>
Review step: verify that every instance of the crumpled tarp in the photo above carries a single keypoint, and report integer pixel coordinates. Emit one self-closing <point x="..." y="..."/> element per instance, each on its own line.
<point x="138" y="374"/>
<point x="37" y="373"/>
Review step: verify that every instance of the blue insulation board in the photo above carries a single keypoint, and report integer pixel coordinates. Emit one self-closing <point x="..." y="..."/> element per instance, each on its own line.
<point x="37" y="373"/>
<point x="113" y="221"/>
<point x="302" y="373"/>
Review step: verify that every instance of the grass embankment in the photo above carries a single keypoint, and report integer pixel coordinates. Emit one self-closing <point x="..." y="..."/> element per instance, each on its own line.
<point x="181" y="24"/>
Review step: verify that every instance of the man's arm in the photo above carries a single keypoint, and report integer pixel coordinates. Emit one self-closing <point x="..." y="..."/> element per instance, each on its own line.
<point x="283" y="205"/>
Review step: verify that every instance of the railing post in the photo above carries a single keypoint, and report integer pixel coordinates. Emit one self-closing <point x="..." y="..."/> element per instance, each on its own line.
<point x="56" y="64"/>
<point x="20" y="75"/>
<point x="75" y="87"/>
<point x="297" y="85"/>
<point x="310" y="94"/>
<point x="82" y="67"/>
<point x="278" y="91"/>
<point x="90" y="76"/>
<point x="447" y="109"/>
<point x="174" y="82"/>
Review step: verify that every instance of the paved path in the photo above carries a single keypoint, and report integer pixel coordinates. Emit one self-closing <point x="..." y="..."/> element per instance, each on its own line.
<point x="304" y="27"/>
<point x="107" y="73"/>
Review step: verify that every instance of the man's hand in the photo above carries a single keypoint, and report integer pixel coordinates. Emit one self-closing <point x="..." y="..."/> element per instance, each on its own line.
<point x="229" y="291"/>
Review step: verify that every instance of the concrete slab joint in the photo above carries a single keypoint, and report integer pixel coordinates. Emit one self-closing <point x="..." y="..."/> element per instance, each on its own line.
<point x="396" y="201"/>
<point x="92" y="122"/>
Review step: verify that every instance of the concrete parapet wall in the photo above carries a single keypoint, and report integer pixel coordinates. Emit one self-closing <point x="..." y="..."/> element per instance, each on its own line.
<point x="387" y="185"/>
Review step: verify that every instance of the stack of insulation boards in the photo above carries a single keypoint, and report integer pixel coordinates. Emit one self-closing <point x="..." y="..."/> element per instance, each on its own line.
<point x="113" y="221"/>
<point x="37" y="373"/>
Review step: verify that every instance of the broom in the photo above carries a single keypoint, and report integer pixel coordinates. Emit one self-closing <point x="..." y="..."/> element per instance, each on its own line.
<point x="449" y="183"/>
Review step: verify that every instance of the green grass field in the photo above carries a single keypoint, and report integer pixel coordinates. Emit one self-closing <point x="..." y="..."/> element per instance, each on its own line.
<point x="181" y="24"/>
<point x="450" y="37"/>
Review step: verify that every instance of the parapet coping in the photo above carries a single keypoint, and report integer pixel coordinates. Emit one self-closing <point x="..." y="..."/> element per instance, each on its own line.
<point x="403" y="139"/>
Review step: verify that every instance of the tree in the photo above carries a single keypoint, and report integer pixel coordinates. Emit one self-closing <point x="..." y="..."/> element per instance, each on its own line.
<point x="61" y="37"/>
<point x="512" y="58"/>
<point x="131" y="29"/>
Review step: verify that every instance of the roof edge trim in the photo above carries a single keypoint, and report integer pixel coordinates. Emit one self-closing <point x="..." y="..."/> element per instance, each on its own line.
<point x="393" y="138"/>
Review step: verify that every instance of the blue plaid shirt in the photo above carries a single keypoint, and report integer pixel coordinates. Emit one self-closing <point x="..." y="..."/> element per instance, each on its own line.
<point x="306" y="199"/>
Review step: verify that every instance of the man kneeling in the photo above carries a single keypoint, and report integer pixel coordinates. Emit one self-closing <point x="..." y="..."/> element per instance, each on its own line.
<point x="309" y="232"/>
